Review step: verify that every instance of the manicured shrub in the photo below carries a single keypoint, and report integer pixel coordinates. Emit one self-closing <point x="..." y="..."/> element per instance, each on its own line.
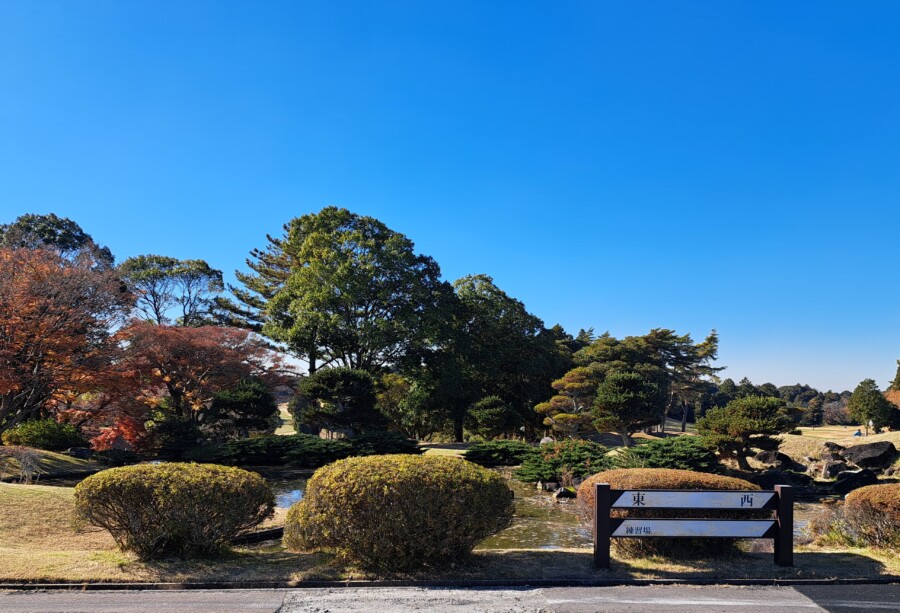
<point x="47" y="434"/>
<point x="159" y="510"/>
<point x="680" y="452"/>
<point x="383" y="443"/>
<point x="664" y="479"/>
<point x="300" y="450"/>
<point x="399" y="512"/>
<point x="563" y="461"/>
<point x="491" y="416"/>
<point x="869" y="517"/>
<point x="500" y="453"/>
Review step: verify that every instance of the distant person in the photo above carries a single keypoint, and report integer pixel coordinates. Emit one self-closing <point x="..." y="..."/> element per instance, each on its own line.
<point x="858" y="432"/>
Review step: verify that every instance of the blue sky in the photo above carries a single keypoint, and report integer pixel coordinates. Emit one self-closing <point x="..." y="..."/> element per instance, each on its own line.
<point x="617" y="165"/>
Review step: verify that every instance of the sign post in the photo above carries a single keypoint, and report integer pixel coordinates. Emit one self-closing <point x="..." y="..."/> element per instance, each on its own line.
<point x="780" y="529"/>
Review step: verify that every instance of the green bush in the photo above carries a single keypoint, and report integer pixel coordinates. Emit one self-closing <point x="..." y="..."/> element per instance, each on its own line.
<point x="300" y="450"/>
<point x="500" y="453"/>
<point x="171" y="437"/>
<point x="491" y="416"/>
<point x="47" y="434"/>
<point x="158" y="510"/>
<point x="667" y="479"/>
<point x="681" y="452"/>
<point x="563" y="461"/>
<point x="399" y="512"/>
<point x="383" y="443"/>
<point x="247" y="406"/>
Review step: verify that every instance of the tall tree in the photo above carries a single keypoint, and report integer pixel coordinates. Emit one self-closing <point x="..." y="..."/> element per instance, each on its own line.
<point x="55" y="320"/>
<point x="867" y="404"/>
<point x="58" y="234"/>
<point x="569" y="411"/>
<point x="163" y="283"/>
<point x="342" y="289"/>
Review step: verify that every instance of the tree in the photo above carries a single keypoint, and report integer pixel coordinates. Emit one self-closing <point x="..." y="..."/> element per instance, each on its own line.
<point x="745" y="423"/>
<point x="868" y="404"/>
<point x="491" y="417"/>
<point x="625" y="403"/>
<point x="180" y="370"/>
<point x="343" y="289"/>
<point x="58" y="234"/>
<point x="494" y="347"/>
<point x="338" y="400"/>
<point x="569" y="412"/>
<point x="249" y="405"/>
<point x="55" y="319"/>
<point x="162" y="283"/>
<point x="408" y="404"/>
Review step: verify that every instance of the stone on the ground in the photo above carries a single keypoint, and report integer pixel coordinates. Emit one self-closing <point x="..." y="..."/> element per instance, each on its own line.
<point x="871" y="455"/>
<point x="774" y="458"/>
<point x="850" y="480"/>
<point x="831" y="469"/>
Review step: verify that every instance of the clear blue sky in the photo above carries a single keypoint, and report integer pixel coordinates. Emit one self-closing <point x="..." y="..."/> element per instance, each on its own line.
<point x="621" y="165"/>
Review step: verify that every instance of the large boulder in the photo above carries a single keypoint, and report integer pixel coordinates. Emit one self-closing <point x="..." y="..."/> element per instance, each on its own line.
<point x="850" y="480"/>
<point x="871" y="455"/>
<point x="830" y="470"/>
<point x="774" y="458"/>
<point x="769" y="479"/>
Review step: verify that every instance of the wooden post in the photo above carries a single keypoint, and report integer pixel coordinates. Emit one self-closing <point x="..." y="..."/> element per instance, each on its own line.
<point x="602" y="505"/>
<point x="784" y="516"/>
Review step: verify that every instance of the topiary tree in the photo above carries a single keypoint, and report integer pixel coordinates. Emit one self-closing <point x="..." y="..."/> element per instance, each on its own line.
<point x="491" y="416"/>
<point x="173" y="508"/>
<point x="338" y="399"/>
<point x="665" y="479"/>
<point x="743" y="424"/>
<point x="569" y="411"/>
<point x="399" y="512"/>
<point x="249" y="405"/>
<point x="625" y="403"/>
<point x="679" y="452"/>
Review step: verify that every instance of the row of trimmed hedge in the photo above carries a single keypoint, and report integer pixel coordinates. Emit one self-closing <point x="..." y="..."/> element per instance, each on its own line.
<point x="397" y="512"/>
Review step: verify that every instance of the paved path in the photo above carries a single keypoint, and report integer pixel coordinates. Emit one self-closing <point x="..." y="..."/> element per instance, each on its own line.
<point x="667" y="599"/>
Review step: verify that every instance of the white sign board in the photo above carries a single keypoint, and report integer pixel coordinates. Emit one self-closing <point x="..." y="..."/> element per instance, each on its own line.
<point x="636" y="499"/>
<point x="693" y="527"/>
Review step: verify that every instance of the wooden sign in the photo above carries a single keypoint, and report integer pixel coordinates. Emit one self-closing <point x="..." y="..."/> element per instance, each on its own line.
<point x="682" y="499"/>
<point x="687" y="528"/>
<point x="780" y="529"/>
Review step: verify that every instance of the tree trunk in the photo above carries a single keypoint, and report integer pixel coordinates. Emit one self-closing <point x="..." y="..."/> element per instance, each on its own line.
<point x="626" y="440"/>
<point x="684" y="413"/>
<point x="742" y="461"/>
<point x="458" y="429"/>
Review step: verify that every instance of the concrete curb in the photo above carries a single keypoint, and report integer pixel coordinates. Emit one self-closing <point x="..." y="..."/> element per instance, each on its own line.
<point x="473" y="583"/>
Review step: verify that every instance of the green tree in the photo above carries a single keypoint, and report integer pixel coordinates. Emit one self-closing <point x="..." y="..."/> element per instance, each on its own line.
<point x="867" y="403"/>
<point x="163" y="283"/>
<point x="743" y="424"/>
<point x="59" y="234"/>
<point x="341" y="288"/>
<point x="247" y="406"/>
<point x="625" y="403"/>
<point x="569" y="411"/>
<point x="491" y="417"/>
<point x="408" y="403"/>
<point x="338" y="399"/>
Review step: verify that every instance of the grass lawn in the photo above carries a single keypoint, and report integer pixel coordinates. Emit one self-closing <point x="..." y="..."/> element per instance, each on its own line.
<point x="52" y="463"/>
<point x="811" y="442"/>
<point x="287" y="421"/>
<point x="39" y="540"/>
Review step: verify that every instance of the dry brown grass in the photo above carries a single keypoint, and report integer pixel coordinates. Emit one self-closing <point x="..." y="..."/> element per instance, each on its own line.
<point x="812" y="442"/>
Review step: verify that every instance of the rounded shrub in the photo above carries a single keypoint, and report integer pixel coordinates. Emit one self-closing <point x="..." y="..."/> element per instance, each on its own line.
<point x="399" y="512"/>
<point x="564" y="461"/>
<point x="680" y="452"/>
<point x="47" y="434"/>
<point x="666" y="479"/>
<point x="500" y="453"/>
<point x="159" y="510"/>
<point x="871" y="516"/>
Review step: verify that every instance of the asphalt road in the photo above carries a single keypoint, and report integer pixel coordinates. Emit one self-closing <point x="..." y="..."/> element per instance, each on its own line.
<point x="668" y="599"/>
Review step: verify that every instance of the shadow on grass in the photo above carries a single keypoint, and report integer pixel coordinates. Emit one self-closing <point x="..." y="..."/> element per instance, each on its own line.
<point x="578" y="565"/>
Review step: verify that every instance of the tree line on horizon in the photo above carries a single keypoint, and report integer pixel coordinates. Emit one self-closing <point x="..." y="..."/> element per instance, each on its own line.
<point x="159" y="347"/>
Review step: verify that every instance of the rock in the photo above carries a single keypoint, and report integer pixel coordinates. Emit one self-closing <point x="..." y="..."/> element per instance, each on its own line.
<point x="869" y="455"/>
<point x="890" y="472"/>
<point x="546" y="440"/>
<point x="550" y="486"/>
<point x="82" y="453"/>
<point x="563" y="492"/>
<point x="850" y="480"/>
<point x="769" y="479"/>
<point x="833" y="447"/>
<point x="774" y="458"/>
<point x="831" y="469"/>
